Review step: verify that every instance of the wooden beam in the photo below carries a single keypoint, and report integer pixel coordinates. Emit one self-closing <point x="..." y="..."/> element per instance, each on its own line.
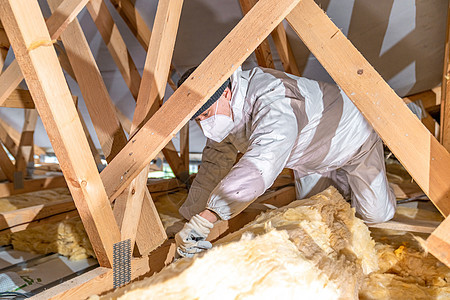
<point x="44" y="77"/>
<point x="284" y="50"/>
<point x="438" y="243"/>
<point x="184" y="148"/>
<point x="19" y="99"/>
<point x="63" y="15"/>
<point x="25" y="149"/>
<point x="445" y="90"/>
<point x="262" y="52"/>
<point x="21" y="219"/>
<point x="141" y="31"/>
<point x="6" y="165"/>
<point x="94" y="91"/>
<point x="116" y="46"/>
<point x="94" y="151"/>
<point x="134" y="20"/>
<point x="4" y="46"/>
<point x="195" y="91"/>
<point x="32" y="185"/>
<point x="418" y="151"/>
<point x="151" y="91"/>
<point x="8" y="141"/>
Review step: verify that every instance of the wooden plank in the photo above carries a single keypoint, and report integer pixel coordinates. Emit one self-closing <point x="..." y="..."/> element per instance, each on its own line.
<point x="25" y="149"/>
<point x="186" y="100"/>
<point x="57" y="22"/>
<point x="6" y="165"/>
<point x="19" y="99"/>
<point x="151" y="91"/>
<point x="284" y="50"/>
<point x="21" y="219"/>
<point x="438" y="243"/>
<point x="32" y="185"/>
<point x="404" y="224"/>
<point x="262" y="52"/>
<point x="99" y="280"/>
<point x="115" y="44"/>
<point x="445" y="90"/>
<point x="94" y="91"/>
<point x="44" y="77"/>
<point x="418" y="151"/>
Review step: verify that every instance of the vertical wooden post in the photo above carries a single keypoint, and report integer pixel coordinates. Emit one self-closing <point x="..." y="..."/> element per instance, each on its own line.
<point x="445" y="92"/>
<point x="26" y="141"/>
<point x="39" y="64"/>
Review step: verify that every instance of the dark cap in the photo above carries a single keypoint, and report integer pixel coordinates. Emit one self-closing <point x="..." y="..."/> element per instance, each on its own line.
<point x="211" y="100"/>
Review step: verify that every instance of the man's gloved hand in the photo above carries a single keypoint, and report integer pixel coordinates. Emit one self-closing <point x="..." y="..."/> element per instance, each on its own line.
<point x="192" y="238"/>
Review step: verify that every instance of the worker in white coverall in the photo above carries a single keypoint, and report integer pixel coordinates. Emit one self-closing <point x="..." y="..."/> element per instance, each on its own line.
<point x="278" y="120"/>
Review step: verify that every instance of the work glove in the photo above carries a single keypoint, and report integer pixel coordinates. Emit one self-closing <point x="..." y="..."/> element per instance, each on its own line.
<point x="192" y="238"/>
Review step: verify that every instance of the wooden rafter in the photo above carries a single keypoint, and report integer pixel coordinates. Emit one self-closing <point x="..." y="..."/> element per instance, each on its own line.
<point x="186" y="100"/>
<point x="11" y="139"/>
<point x="284" y="50"/>
<point x="6" y="165"/>
<point x="419" y="152"/>
<point x="25" y="150"/>
<point x="116" y="46"/>
<point x="39" y="64"/>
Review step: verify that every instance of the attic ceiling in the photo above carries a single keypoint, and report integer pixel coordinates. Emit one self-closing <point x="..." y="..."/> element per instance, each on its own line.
<point x="403" y="39"/>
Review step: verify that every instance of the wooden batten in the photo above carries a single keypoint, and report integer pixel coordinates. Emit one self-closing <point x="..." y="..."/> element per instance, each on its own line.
<point x="50" y="92"/>
<point x="419" y="152"/>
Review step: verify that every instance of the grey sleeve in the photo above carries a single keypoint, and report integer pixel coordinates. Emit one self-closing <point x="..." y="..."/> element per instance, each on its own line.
<point x="217" y="160"/>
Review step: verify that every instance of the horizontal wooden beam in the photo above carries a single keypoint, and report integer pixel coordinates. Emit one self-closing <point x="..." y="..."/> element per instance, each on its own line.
<point x="194" y="92"/>
<point x="24" y="218"/>
<point x="19" y="99"/>
<point x="32" y="185"/>
<point x="420" y="153"/>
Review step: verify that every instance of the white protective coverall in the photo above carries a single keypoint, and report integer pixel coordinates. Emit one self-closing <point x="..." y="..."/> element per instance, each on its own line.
<point x="284" y="121"/>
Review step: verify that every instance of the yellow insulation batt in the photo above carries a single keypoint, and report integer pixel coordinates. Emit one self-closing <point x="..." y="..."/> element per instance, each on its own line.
<point x="66" y="237"/>
<point x="311" y="249"/>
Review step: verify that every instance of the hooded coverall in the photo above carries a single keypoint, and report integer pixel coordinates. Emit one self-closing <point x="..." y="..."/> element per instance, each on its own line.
<point x="285" y="121"/>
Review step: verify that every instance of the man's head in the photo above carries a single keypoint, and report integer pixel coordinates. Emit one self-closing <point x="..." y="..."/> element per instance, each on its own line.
<point x="216" y="115"/>
<point x="218" y="103"/>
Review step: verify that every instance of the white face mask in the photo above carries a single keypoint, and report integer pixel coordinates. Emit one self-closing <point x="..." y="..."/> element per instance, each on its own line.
<point x="217" y="127"/>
